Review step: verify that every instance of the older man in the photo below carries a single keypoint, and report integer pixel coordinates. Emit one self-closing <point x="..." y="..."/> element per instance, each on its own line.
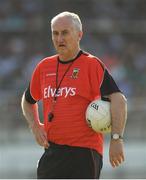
<point x="66" y="83"/>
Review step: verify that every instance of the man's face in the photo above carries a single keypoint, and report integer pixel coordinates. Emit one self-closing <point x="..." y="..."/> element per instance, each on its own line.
<point x="65" y="36"/>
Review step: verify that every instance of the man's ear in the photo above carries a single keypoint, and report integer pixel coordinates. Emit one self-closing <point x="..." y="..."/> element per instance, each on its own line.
<point x="80" y="35"/>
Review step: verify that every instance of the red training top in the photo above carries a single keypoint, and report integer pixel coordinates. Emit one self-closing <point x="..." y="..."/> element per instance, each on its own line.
<point x="80" y="85"/>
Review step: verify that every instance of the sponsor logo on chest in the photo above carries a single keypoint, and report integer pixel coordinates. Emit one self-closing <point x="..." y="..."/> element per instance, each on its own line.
<point x="63" y="91"/>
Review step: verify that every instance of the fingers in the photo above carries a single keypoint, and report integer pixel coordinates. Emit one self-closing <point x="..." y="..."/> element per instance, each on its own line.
<point x="41" y="137"/>
<point x="116" y="160"/>
<point x="42" y="140"/>
<point x="45" y="143"/>
<point x="116" y="153"/>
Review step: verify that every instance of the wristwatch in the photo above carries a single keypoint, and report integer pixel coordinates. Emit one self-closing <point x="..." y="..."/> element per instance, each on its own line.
<point x="116" y="136"/>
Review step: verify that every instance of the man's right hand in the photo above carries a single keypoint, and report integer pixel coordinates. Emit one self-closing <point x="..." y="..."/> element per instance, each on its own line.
<point x="40" y="134"/>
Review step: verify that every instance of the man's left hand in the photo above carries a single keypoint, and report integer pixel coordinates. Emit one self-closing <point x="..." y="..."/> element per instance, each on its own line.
<point x="116" y="152"/>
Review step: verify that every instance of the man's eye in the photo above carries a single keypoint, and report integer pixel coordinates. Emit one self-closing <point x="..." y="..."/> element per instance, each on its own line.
<point x="64" y="32"/>
<point x="55" y="33"/>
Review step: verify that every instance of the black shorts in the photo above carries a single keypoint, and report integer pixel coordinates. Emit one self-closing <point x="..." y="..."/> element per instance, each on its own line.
<point x="66" y="162"/>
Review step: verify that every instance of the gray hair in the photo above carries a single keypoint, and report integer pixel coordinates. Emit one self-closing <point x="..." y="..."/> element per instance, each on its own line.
<point x="74" y="17"/>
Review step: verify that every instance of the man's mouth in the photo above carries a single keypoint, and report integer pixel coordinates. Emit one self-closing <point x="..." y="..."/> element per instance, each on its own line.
<point x="61" y="45"/>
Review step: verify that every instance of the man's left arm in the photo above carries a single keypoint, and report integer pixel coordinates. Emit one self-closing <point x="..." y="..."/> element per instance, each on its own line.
<point x="110" y="91"/>
<point x="119" y="117"/>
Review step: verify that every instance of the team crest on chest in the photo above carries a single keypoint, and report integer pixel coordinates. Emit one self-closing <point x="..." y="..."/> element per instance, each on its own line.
<point x="75" y="73"/>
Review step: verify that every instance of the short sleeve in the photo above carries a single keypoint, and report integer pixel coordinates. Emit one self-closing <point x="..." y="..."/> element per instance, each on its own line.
<point x="35" y="84"/>
<point x="28" y="96"/>
<point x="96" y="77"/>
<point x="108" y="85"/>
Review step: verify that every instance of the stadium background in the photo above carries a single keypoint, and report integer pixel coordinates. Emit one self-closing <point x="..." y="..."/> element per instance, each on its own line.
<point x="114" y="30"/>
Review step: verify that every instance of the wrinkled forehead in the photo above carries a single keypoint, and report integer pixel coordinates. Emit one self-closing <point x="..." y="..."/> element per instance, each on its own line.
<point x="61" y="23"/>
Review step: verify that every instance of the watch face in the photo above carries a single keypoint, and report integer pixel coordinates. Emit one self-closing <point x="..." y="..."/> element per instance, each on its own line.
<point x="116" y="136"/>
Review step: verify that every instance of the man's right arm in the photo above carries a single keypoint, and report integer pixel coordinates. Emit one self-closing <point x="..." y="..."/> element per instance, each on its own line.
<point x="30" y="111"/>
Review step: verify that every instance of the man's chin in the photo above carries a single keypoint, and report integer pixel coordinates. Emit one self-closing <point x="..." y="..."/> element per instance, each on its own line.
<point x="62" y="50"/>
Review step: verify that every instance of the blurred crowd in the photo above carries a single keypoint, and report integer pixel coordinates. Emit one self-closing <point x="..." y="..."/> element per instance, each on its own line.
<point x="113" y="32"/>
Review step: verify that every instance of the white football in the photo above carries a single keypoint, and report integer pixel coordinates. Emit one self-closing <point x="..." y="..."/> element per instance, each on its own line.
<point x="98" y="116"/>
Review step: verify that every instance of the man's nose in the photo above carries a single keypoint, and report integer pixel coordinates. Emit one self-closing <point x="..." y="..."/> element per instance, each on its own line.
<point x="60" y="38"/>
